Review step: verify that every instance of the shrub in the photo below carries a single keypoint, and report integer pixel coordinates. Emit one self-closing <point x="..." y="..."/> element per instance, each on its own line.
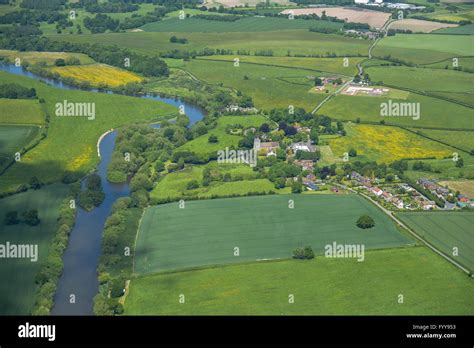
<point x="30" y="217"/>
<point x="193" y="184"/>
<point x="305" y="253"/>
<point x="365" y="221"/>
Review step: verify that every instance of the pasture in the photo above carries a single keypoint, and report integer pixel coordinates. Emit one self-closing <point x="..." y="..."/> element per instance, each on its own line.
<point x="17" y="288"/>
<point x="281" y="42"/>
<point x="385" y="144"/>
<point x="463" y="140"/>
<point x="98" y="74"/>
<point x="466" y="187"/>
<point x="425" y="48"/>
<point x="446" y="231"/>
<point x="13" y="139"/>
<point x="263" y="227"/>
<point x="21" y="111"/>
<point x="243" y="25"/>
<point x="460" y="30"/>
<point x="49" y="58"/>
<point x="71" y="141"/>
<point x="323" y="286"/>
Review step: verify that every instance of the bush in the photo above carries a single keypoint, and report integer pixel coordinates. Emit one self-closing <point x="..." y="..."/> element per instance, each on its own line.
<point x="60" y="62"/>
<point x="365" y="221"/>
<point x="30" y="217"/>
<point x="193" y="184"/>
<point x="213" y="139"/>
<point x="305" y="253"/>
<point x="117" y="288"/>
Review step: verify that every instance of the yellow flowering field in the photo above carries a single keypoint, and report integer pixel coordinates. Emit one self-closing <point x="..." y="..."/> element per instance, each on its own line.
<point x="386" y="144"/>
<point x="97" y="74"/>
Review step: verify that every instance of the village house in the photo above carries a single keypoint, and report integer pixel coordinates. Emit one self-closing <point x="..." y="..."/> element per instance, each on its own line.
<point x="427" y="205"/>
<point x="427" y="184"/>
<point x="463" y="201"/>
<point x="305" y="164"/>
<point x="236" y="108"/>
<point x="267" y="147"/>
<point x="387" y="196"/>
<point x="377" y="191"/>
<point x="397" y="202"/>
<point x="302" y="146"/>
<point x="302" y="129"/>
<point x="442" y="191"/>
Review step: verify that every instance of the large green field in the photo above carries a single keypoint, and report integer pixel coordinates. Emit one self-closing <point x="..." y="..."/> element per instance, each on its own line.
<point x="246" y="24"/>
<point x="450" y="84"/>
<point x="280" y="42"/>
<point x="462" y="30"/>
<point x="425" y="48"/>
<point x="323" y="286"/>
<point x="263" y="227"/>
<point x="21" y="111"/>
<point x="71" y="141"/>
<point x="270" y="87"/>
<point x="446" y="230"/>
<point x="17" y="288"/>
<point x="13" y="139"/>
<point x="460" y="139"/>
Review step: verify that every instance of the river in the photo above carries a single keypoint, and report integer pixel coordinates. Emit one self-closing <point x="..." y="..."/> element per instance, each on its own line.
<point x="78" y="283"/>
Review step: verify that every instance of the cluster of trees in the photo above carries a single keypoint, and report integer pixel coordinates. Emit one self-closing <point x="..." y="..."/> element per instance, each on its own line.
<point x="50" y="272"/>
<point x="101" y="23"/>
<point x="43" y="4"/>
<point x="28" y="17"/>
<point x="356" y="26"/>
<point x="175" y="39"/>
<point x="16" y="91"/>
<point x="29" y="217"/>
<point x="305" y="253"/>
<point x="110" y="7"/>
<point x="365" y="221"/>
<point x="218" y="18"/>
<point x="93" y="196"/>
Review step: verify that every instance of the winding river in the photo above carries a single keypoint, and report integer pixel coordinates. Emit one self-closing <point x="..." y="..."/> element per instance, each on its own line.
<point x="79" y="284"/>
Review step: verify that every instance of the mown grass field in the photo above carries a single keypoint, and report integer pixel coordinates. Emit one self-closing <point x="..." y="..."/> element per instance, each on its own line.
<point x="323" y="286"/>
<point x="326" y="65"/>
<point x="174" y="185"/>
<point x="13" y="139"/>
<point x="17" y="288"/>
<point x="264" y="227"/>
<point x="266" y="84"/>
<point x="446" y="230"/>
<point x="385" y="144"/>
<point x="451" y="84"/>
<point x="98" y="74"/>
<point x="463" y="140"/>
<point x="21" y="111"/>
<point x="280" y="42"/>
<point x="425" y="48"/>
<point x="462" y="30"/>
<point x="201" y="144"/>
<point x="464" y="186"/>
<point x="34" y="57"/>
<point x="245" y="24"/>
<point x="448" y="64"/>
<point x="433" y="112"/>
<point x="71" y="141"/>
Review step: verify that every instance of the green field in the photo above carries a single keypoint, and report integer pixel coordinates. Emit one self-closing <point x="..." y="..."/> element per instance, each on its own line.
<point x="246" y="24"/>
<point x="206" y="232"/>
<point x="323" y="286"/>
<point x="71" y="141"/>
<point x="450" y="84"/>
<point x="446" y="230"/>
<point x="462" y="30"/>
<point x="13" y="139"/>
<point x="17" y="288"/>
<point x="21" y="111"/>
<point x="266" y="84"/>
<point x="425" y="48"/>
<point x="280" y="42"/>
<point x="433" y="112"/>
<point x="463" y="140"/>
<point x="49" y="58"/>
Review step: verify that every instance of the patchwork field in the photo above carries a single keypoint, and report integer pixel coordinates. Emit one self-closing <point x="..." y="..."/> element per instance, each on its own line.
<point x="21" y="111"/>
<point x="419" y="26"/>
<point x="13" y="139"/>
<point x="280" y="42"/>
<point x="263" y="227"/>
<point x="461" y="30"/>
<point x="375" y="19"/>
<point x="463" y="140"/>
<point x="246" y="24"/>
<point x="71" y="141"/>
<point x="34" y="57"/>
<point x="466" y="187"/>
<point x="446" y="231"/>
<point x="323" y="286"/>
<point x="98" y="74"/>
<point x="425" y="48"/>
<point x="17" y="288"/>
<point x="386" y="144"/>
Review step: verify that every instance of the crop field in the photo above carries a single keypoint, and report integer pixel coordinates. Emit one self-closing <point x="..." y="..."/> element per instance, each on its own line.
<point x="433" y="112"/>
<point x="386" y="144"/>
<point x="13" y="139"/>
<point x="17" y="287"/>
<point x="463" y="140"/>
<point x="21" y="111"/>
<point x="461" y="30"/>
<point x="322" y="286"/>
<point x="71" y="141"/>
<point x="326" y="65"/>
<point x="246" y="24"/>
<point x="375" y="19"/>
<point x="281" y="42"/>
<point x="174" y="185"/>
<point x="265" y="84"/>
<point x="98" y="74"/>
<point x="466" y="187"/>
<point x="446" y="231"/>
<point x="451" y="84"/>
<point x="262" y="227"/>
<point x="201" y="145"/>
<point x="34" y="57"/>
<point x="425" y="48"/>
<point x="419" y="26"/>
<point x="448" y="64"/>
